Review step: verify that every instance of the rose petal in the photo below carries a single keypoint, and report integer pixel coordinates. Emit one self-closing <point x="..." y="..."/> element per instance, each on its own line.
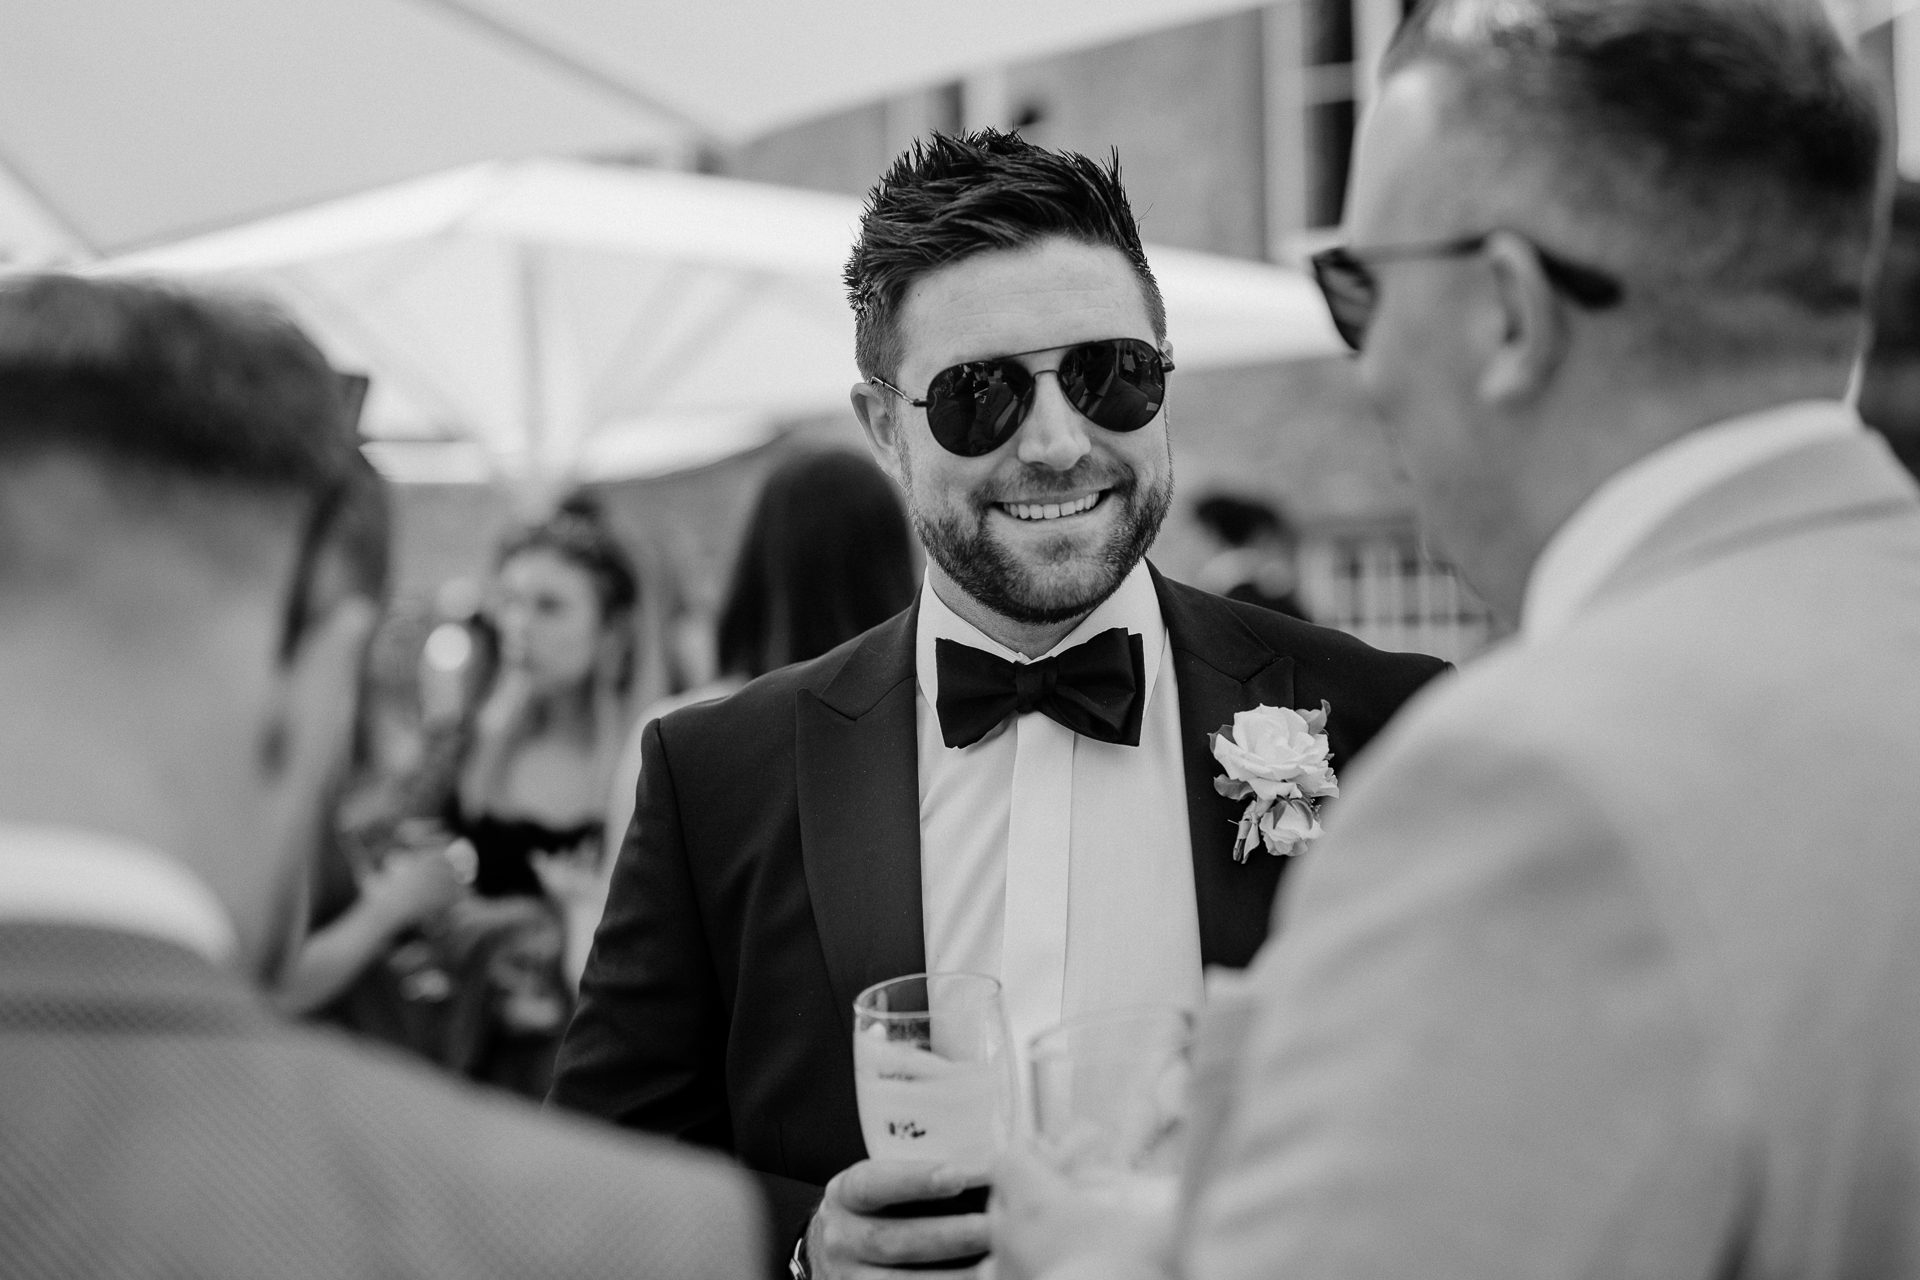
<point x="1232" y="788"/>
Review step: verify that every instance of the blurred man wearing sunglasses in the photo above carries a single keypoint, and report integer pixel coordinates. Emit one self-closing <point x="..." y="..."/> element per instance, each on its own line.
<point x="1609" y="965"/>
<point x="1013" y="777"/>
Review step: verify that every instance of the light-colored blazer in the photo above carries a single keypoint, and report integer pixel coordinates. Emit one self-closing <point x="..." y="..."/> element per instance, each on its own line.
<point x="1610" y="963"/>
<point x="157" y="1121"/>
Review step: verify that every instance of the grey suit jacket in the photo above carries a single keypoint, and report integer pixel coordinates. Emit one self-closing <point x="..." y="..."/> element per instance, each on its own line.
<point x="1609" y="965"/>
<point x="157" y="1121"/>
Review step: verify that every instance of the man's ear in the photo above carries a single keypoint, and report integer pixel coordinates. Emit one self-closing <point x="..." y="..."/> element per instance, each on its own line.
<point x="309" y="722"/>
<point x="1533" y="336"/>
<point x="877" y="410"/>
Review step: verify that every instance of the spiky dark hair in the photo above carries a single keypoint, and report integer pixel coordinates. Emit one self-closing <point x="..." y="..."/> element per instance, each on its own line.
<point x="949" y="197"/>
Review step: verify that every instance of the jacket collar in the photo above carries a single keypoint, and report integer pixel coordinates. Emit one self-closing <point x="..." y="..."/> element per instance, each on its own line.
<point x="1204" y="626"/>
<point x="1223" y="669"/>
<point x="1851" y="478"/>
<point x="858" y="784"/>
<point x="875" y="663"/>
<point x="66" y="978"/>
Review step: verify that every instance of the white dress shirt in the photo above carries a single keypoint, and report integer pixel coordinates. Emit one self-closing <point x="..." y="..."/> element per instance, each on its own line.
<point x="1100" y="889"/>
<point x="67" y="875"/>
<point x="1621" y="513"/>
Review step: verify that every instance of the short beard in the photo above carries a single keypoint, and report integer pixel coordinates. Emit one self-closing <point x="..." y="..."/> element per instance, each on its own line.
<point x="994" y="577"/>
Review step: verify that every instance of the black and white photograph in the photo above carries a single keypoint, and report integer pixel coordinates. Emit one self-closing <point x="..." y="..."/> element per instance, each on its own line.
<point x="1068" y="640"/>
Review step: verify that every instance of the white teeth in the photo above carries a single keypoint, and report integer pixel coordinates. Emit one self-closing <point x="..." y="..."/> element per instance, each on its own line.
<point x="1051" y="510"/>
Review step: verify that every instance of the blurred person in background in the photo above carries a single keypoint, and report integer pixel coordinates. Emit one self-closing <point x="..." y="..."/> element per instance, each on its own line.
<point x="525" y="775"/>
<point x="182" y="622"/>
<point x="1258" y="559"/>
<point x="1890" y="381"/>
<point x="362" y="908"/>
<point x="481" y="979"/>
<point x="826" y="555"/>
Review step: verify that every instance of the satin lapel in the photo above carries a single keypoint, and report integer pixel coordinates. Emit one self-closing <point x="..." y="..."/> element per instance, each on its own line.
<point x="1223" y="668"/>
<point x="859" y="794"/>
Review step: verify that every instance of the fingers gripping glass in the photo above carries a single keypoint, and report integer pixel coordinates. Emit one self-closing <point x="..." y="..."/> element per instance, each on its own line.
<point x="974" y="408"/>
<point x="1346" y="278"/>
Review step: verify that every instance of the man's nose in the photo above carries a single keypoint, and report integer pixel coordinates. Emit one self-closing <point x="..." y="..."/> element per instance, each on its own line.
<point x="1054" y="434"/>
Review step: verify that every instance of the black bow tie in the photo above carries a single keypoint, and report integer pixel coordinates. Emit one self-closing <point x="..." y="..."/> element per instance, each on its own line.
<point x="1096" y="689"/>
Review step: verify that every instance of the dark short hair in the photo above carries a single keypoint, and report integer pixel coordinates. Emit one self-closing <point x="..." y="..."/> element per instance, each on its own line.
<point x="949" y="197"/>
<point x="1238" y="521"/>
<point x="826" y="556"/>
<point x="168" y="393"/>
<point x="577" y="532"/>
<point x="1734" y="143"/>
<point x="144" y="377"/>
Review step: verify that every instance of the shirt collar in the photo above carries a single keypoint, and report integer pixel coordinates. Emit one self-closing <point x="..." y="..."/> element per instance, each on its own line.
<point x="1134" y="607"/>
<point x="66" y="875"/>
<point x="1606" y="529"/>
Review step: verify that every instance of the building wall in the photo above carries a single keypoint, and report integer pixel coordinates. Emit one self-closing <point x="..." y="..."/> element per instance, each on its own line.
<point x="1184" y="109"/>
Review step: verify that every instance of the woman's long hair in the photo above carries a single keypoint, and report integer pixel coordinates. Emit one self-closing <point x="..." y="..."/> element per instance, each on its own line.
<point x="827" y="555"/>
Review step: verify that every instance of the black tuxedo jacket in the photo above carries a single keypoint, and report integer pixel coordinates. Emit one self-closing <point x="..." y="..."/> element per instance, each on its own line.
<point x="772" y="871"/>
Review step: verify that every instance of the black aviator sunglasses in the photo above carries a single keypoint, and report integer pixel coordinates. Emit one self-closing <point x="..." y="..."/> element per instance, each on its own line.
<point x="1346" y="279"/>
<point x="974" y="408"/>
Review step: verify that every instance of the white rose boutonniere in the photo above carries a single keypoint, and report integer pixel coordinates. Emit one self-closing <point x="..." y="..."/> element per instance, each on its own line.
<point x="1276" y="759"/>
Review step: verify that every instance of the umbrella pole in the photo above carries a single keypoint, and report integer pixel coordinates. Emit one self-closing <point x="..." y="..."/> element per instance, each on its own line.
<point x="535" y="483"/>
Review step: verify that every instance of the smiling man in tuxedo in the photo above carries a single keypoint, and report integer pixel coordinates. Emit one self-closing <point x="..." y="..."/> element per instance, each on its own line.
<point x="1013" y="777"/>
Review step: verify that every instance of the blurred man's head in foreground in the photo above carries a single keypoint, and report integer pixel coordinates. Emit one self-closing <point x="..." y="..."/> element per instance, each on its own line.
<point x="1589" y="226"/>
<point x="1007" y="285"/>
<point x="191" y="551"/>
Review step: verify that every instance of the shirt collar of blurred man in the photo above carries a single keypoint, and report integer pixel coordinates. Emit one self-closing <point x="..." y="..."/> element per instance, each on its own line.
<point x="67" y="875"/>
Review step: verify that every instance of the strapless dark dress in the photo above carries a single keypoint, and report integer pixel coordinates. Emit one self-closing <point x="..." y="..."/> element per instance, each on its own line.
<point x="506" y="846"/>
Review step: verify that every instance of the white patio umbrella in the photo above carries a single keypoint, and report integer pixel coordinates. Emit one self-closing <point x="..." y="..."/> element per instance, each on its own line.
<point x="552" y="318"/>
<point x="133" y="122"/>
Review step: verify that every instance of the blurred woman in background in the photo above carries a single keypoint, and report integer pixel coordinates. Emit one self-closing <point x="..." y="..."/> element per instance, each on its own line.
<point x="826" y="555"/>
<point x="523" y="779"/>
<point x="530" y="766"/>
<point x="510" y="792"/>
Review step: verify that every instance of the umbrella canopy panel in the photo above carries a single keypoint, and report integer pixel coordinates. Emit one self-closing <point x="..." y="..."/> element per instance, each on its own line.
<point x="743" y="67"/>
<point x="133" y="122"/>
<point x="564" y="316"/>
<point x="531" y="349"/>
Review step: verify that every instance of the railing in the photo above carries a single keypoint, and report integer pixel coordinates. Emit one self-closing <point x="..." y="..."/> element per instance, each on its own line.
<point x="1379" y="585"/>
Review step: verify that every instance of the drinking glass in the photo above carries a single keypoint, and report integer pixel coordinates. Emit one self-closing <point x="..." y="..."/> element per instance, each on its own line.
<point x="1110" y="1098"/>
<point x="933" y="1069"/>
